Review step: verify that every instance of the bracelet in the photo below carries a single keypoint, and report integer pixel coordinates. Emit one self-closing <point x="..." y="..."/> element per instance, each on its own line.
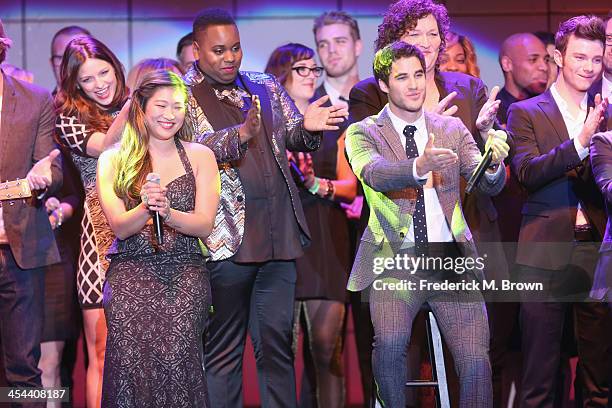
<point x="59" y="215"/>
<point x="144" y="198"/>
<point x="331" y="189"/>
<point x="315" y="187"/>
<point x="167" y="217"/>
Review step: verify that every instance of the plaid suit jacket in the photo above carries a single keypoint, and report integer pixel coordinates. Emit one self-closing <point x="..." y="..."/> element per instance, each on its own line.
<point x="379" y="160"/>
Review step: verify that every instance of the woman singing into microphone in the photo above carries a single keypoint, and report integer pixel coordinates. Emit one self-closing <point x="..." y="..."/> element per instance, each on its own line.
<point x="156" y="296"/>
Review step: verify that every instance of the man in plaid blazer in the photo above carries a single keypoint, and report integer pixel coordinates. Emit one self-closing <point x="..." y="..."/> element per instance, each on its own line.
<point x="410" y="163"/>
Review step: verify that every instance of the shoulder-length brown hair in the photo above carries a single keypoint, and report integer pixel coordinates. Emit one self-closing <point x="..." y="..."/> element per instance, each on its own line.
<point x="70" y="99"/>
<point x="282" y="59"/>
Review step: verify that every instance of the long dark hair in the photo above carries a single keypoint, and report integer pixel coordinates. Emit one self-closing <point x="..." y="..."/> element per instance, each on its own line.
<point x="70" y="99"/>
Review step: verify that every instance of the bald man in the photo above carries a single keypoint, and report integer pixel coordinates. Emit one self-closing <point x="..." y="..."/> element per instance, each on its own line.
<point x="524" y="62"/>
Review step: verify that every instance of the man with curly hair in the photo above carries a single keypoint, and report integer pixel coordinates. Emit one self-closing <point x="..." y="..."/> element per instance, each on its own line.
<point x="425" y="24"/>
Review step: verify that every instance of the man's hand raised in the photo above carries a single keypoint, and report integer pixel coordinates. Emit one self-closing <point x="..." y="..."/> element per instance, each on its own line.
<point x="39" y="177"/>
<point x="318" y="118"/>
<point x="441" y="108"/>
<point x="434" y="158"/>
<point x="252" y="123"/>
<point x="488" y="112"/>
<point x="595" y="117"/>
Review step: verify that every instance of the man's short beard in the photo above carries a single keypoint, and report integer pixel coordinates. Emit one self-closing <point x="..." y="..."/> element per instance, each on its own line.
<point x="345" y="72"/>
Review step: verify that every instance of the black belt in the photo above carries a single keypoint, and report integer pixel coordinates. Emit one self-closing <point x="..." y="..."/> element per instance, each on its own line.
<point x="583" y="233"/>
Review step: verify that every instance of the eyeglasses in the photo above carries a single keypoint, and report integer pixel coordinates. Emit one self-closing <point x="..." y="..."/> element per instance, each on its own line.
<point x="305" y="71"/>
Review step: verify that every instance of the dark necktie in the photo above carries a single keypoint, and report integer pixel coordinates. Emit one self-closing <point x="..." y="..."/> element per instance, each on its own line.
<point x="419" y="220"/>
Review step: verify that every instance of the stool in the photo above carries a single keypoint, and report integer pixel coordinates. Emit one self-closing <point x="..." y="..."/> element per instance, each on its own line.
<point x="436" y="357"/>
<point x="438" y="368"/>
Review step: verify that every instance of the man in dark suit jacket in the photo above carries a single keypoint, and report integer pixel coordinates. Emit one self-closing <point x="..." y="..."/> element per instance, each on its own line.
<point x="27" y="243"/>
<point x="597" y="89"/>
<point x="601" y="161"/>
<point x="604" y="85"/>
<point x="248" y="121"/>
<point x="523" y="60"/>
<point x="562" y="220"/>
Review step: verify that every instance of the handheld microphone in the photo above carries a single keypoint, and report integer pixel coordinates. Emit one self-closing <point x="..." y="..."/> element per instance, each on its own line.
<point x="484" y="163"/>
<point x="157" y="221"/>
<point x="480" y="171"/>
<point x="297" y="173"/>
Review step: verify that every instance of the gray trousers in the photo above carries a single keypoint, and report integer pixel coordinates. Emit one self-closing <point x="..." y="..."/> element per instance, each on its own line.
<point x="462" y="319"/>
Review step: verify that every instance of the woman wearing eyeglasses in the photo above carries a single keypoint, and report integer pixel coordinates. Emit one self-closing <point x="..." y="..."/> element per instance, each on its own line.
<point x="326" y="181"/>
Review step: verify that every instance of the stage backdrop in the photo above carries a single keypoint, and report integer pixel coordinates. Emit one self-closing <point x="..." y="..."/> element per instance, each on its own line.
<point x="136" y="29"/>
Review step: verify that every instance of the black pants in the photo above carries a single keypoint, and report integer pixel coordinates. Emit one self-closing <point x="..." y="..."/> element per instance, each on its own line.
<point x="21" y="321"/>
<point x="258" y="297"/>
<point x="542" y="329"/>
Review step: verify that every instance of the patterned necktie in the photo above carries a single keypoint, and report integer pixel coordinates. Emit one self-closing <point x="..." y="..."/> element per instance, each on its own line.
<point x="419" y="220"/>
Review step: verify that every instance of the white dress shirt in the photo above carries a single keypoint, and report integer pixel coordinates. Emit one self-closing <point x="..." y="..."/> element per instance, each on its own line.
<point x="606" y="89"/>
<point x="574" y="127"/>
<point x="437" y="227"/>
<point x="334" y="95"/>
<point x="573" y="124"/>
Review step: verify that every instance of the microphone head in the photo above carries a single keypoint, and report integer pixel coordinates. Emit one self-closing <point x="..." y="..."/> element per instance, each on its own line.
<point x="154" y="178"/>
